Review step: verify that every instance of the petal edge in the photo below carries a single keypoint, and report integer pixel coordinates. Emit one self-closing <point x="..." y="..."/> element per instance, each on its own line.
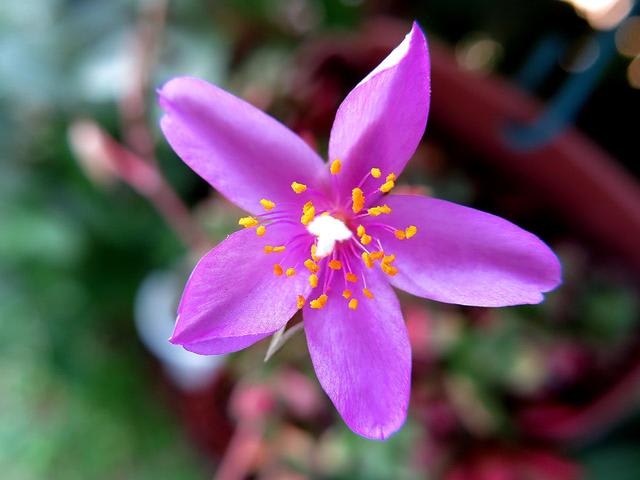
<point x="241" y="151"/>
<point x="384" y="115"/>
<point x="233" y="299"/>
<point x="362" y="358"/>
<point x="466" y="256"/>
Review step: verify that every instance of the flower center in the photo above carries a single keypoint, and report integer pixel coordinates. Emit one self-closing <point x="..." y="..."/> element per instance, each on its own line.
<point x="330" y="226"/>
<point x="329" y="230"/>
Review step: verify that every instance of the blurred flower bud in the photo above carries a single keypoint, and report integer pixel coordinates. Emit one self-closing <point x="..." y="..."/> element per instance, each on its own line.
<point x="103" y="159"/>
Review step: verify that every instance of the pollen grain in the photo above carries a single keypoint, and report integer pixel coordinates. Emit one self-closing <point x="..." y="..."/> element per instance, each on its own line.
<point x="319" y="302"/>
<point x="367" y="260"/>
<point x="357" y="197"/>
<point x="312" y="266"/>
<point x="248" y="222"/>
<point x="298" y="187"/>
<point x="410" y="231"/>
<point x="387" y="186"/>
<point x="267" y="204"/>
<point x="301" y="301"/>
<point x="335" y="264"/>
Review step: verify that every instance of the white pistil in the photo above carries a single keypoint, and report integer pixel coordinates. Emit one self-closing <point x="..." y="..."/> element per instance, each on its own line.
<point x="329" y="230"/>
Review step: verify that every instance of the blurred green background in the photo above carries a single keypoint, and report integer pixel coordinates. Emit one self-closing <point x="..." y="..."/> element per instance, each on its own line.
<point x="80" y="394"/>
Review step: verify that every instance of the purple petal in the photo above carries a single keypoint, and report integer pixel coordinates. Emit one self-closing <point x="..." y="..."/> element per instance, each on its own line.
<point x="220" y="346"/>
<point x="233" y="298"/>
<point x="362" y="358"/>
<point x="242" y="152"/>
<point x="382" y="120"/>
<point x="465" y="256"/>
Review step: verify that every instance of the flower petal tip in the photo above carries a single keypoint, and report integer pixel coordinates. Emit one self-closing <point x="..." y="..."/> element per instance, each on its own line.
<point x="164" y="95"/>
<point x="555" y="280"/>
<point x="380" y="432"/>
<point x="177" y="335"/>
<point x="416" y="30"/>
<point x="173" y="88"/>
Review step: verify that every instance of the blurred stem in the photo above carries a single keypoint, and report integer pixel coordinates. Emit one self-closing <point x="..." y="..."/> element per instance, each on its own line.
<point x="103" y="158"/>
<point x="132" y="106"/>
<point x="179" y="218"/>
<point x="134" y="122"/>
<point x="242" y="451"/>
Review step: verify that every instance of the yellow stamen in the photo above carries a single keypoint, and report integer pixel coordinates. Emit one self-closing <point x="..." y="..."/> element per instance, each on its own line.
<point x="290" y="272"/>
<point x="389" y="269"/>
<point x="347" y="294"/>
<point x="335" y="264"/>
<point x="351" y="277"/>
<point x="260" y="231"/>
<point x="306" y="217"/>
<point x="400" y="234"/>
<point x="313" y="280"/>
<point x="311" y="265"/>
<point x="391" y="177"/>
<point x="389" y="259"/>
<point x="353" y="303"/>
<point x="376" y="255"/>
<point x="367" y="293"/>
<point x="366" y="239"/>
<point x="248" y="222"/>
<point x="308" y="212"/>
<point x="314" y="247"/>
<point x="301" y="301"/>
<point x="279" y="248"/>
<point x="386" y="266"/>
<point x="358" y="200"/>
<point x="336" y="165"/>
<point x="367" y="259"/>
<point x="410" y="231"/>
<point x="375" y="172"/>
<point x="277" y="269"/>
<point x="298" y="187"/>
<point x="268" y="249"/>
<point x="267" y="204"/>
<point x="360" y="230"/>
<point x="387" y="186"/>
<point x="319" y="302"/>
<point x="375" y="211"/>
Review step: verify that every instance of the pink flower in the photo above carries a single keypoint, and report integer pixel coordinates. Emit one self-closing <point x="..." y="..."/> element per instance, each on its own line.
<point x="331" y="240"/>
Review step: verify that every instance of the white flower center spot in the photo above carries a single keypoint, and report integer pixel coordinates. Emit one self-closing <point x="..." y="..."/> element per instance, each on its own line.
<point x="329" y="230"/>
